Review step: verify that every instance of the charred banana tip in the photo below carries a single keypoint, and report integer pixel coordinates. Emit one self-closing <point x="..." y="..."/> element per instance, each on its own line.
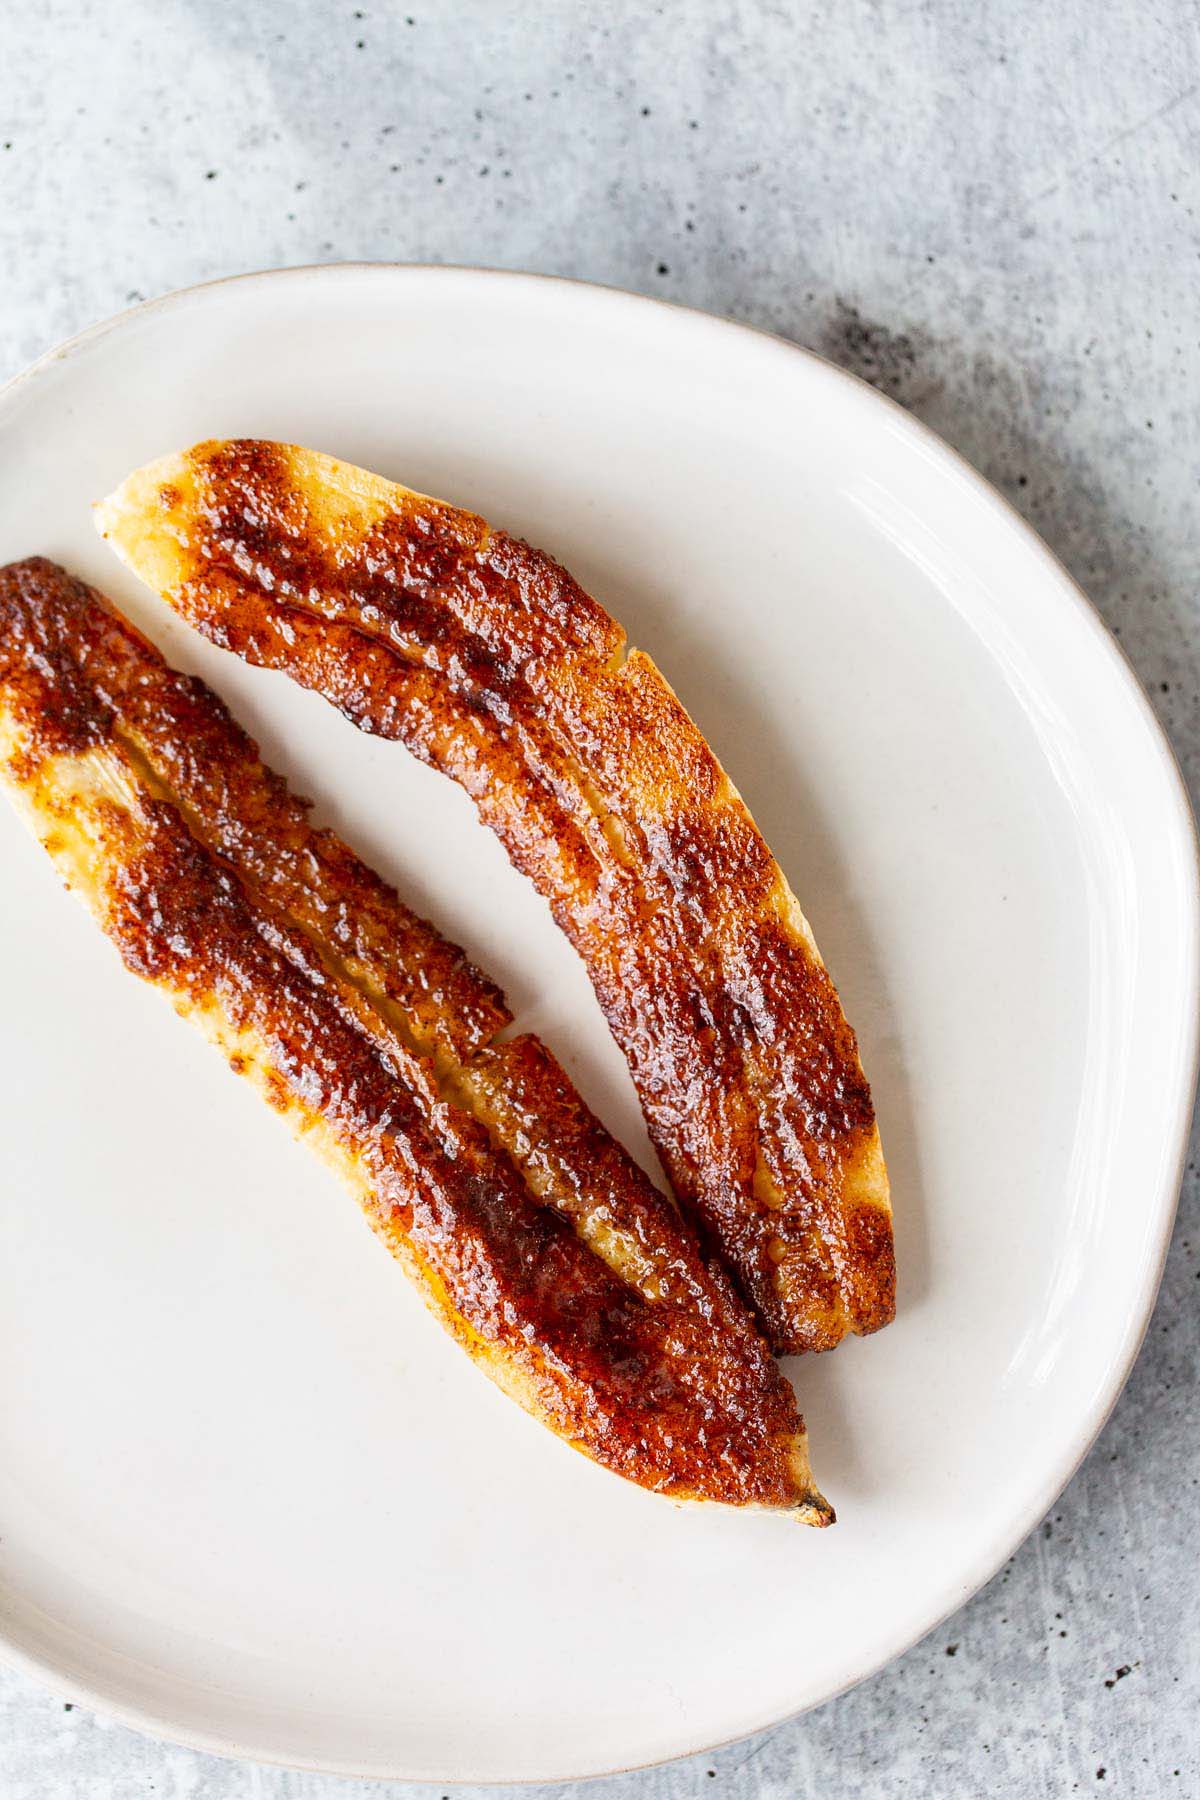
<point x="810" y="1506"/>
<point x="814" y="1509"/>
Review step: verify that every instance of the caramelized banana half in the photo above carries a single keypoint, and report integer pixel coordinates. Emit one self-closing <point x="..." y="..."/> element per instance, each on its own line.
<point x="528" y="1231"/>
<point x="483" y="656"/>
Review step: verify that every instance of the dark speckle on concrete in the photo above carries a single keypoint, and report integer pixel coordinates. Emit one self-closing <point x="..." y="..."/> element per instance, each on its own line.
<point x="900" y="363"/>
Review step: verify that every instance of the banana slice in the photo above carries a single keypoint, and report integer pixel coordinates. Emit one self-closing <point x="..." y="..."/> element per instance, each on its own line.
<point x="528" y="1231"/>
<point x="485" y="658"/>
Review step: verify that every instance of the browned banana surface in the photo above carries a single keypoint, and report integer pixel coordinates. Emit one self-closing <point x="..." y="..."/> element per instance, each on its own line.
<point x="487" y="660"/>
<point x="529" y="1232"/>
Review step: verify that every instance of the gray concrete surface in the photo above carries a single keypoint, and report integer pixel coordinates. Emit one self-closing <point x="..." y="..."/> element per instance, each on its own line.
<point x="991" y="211"/>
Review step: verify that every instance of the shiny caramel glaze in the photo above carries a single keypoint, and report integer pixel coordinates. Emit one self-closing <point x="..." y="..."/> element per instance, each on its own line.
<point x="530" y="1232"/>
<point x="489" y="662"/>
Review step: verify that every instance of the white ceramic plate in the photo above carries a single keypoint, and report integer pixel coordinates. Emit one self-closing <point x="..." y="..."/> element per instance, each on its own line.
<point x="250" y="1497"/>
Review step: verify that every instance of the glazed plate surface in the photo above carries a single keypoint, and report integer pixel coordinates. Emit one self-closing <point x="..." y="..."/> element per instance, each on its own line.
<point x="250" y="1497"/>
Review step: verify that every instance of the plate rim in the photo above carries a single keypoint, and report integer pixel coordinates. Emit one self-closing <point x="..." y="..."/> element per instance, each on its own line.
<point x="1163" y="1202"/>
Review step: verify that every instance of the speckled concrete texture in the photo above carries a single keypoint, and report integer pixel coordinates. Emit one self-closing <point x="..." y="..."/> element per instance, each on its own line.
<point x="991" y="212"/>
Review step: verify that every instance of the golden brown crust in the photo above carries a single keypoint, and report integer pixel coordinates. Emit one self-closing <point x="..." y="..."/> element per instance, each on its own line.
<point x="488" y="661"/>
<point x="530" y="1233"/>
